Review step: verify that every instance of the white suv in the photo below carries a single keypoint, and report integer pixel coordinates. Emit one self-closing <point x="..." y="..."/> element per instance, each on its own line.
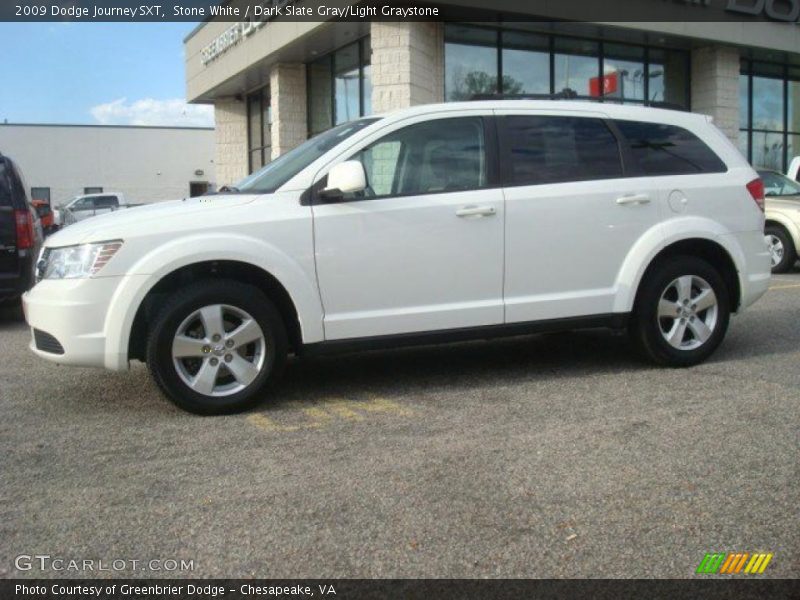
<point x="440" y="222"/>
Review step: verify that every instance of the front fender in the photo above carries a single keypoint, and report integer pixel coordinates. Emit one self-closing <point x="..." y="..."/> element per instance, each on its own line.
<point x="295" y="276"/>
<point x="661" y="236"/>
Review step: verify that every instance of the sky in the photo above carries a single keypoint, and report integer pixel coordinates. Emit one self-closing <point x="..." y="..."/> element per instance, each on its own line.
<point x="96" y="73"/>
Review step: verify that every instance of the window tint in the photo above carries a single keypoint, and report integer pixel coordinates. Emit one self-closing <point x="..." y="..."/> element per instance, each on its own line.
<point x="5" y="187"/>
<point x="542" y="149"/>
<point x="668" y="150"/>
<point x="446" y="155"/>
<point x="106" y="202"/>
<point x="83" y="204"/>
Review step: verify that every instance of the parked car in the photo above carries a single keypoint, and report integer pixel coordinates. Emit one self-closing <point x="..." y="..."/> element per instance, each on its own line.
<point x="20" y="233"/>
<point x="91" y="205"/>
<point x="45" y="213"/>
<point x="793" y="172"/>
<point x="434" y="223"/>
<point x="783" y="219"/>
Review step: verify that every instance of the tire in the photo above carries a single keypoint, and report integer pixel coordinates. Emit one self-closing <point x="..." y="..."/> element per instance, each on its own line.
<point x="210" y="375"/>
<point x="781" y="246"/>
<point x="691" y="341"/>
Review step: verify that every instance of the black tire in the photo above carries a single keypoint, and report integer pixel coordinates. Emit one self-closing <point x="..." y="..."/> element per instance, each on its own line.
<point x="789" y="251"/>
<point x="179" y="307"/>
<point x="646" y="326"/>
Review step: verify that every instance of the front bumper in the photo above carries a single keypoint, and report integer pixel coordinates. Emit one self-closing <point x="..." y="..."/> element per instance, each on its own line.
<point x="73" y="312"/>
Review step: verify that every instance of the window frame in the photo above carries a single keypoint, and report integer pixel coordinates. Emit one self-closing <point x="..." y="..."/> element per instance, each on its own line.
<point x="504" y="150"/>
<point x="490" y="142"/>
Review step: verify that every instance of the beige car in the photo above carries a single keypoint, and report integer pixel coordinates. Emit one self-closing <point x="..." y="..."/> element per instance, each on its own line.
<point x="783" y="219"/>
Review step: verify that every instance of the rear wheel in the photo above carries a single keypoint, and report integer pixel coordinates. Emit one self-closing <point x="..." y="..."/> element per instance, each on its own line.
<point x="215" y="346"/>
<point x="682" y="312"/>
<point x="781" y="248"/>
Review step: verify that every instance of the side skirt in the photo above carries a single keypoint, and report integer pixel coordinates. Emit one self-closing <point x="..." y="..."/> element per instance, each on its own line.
<point x="615" y="321"/>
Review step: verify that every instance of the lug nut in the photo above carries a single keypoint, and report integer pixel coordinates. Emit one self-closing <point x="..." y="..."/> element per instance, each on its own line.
<point x="228" y="357"/>
<point x="206" y="349"/>
<point x="214" y="362"/>
<point x="229" y="344"/>
<point x="216" y="337"/>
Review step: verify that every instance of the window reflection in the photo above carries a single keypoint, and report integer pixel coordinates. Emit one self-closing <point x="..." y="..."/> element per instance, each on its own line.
<point x="470" y="62"/>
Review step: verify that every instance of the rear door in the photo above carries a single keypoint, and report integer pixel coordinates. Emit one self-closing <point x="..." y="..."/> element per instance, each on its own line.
<point x="8" y="230"/>
<point x="572" y="215"/>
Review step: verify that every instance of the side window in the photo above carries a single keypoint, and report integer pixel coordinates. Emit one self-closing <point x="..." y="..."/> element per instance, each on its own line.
<point x="40" y="193"/>
<point x="445" y="155"/>
<point x="84" y="204"/>
<point x="552" y="149"/>
<point x="105" y="202"/>
<point x="5" y="185"/>
<point x="668" y="150"/>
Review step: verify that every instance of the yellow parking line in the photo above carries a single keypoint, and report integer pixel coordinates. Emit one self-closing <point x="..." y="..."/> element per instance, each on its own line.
<point x="785" y="287"/>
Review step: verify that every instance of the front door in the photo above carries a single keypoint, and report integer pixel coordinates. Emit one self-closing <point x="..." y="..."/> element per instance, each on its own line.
<point x="422" y="248"/>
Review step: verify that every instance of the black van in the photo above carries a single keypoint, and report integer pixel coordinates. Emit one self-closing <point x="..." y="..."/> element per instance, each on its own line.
<point x="20" y="234"/>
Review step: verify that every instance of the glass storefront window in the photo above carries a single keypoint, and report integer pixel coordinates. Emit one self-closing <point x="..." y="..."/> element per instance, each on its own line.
<point x="339" y="87"/>
<point x="470" y="62"/>
<point x="624" y="73"/>
<point x="259" y="129"/>
<point x="772" y="91"/>
<point x="767" y="104"/>
<point x="526" y="63"/>
<point x="484" y="60"/>
<point x="576" y="64"/>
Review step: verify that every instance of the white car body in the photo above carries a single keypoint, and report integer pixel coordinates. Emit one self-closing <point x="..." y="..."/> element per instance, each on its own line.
<point x="406" y="265"/>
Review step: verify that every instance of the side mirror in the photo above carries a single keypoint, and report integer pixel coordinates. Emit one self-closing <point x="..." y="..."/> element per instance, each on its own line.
<point x="345" y="178"/>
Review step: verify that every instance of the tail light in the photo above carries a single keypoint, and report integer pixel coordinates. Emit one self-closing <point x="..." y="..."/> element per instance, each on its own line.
<point x="24" y="223"/>
<point x="756" y="189"/>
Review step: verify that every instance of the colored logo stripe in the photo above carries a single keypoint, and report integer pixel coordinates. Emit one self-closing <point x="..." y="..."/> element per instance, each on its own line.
<point x="732" y="563"/>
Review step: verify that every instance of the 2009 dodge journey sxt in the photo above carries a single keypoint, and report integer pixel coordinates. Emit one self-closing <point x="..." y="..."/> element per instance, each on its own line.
<point x="435" y="223"/>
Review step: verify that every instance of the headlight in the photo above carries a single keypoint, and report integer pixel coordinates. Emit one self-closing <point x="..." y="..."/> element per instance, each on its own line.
<point x="75" y="262"/>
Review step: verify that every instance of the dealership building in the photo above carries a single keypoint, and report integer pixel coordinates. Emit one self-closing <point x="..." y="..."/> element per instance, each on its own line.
<point x="274" y="83"/>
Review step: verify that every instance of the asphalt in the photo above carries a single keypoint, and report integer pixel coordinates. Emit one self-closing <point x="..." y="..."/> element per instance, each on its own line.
<point x="545" y="456"/>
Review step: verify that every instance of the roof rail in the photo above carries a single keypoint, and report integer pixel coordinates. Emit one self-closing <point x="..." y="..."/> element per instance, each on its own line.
<point x="568" y="94"/>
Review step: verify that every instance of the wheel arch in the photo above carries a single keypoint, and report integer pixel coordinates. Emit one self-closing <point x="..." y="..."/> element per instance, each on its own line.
<point x="243" y="272"/>
<point x="709" y="250"/>
<point x="791" y="229"/>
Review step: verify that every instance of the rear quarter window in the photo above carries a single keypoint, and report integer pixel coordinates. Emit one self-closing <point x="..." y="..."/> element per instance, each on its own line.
<point x="5" y="185"/>
<point x="659" y="149"/>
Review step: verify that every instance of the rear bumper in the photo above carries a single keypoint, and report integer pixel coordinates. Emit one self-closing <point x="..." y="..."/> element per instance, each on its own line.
<point x="73" y="313"/>
<point x="756" y="270"/>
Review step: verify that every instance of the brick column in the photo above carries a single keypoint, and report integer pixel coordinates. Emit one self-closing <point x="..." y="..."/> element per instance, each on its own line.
<point x="287" y="89"/>
<point x="230" y="158"/>
<point x="715" y="87"/>
<point x="407" y="64"/>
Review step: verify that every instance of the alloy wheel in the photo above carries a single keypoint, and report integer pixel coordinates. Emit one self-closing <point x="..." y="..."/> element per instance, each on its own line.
<point x="218" y="350"/>
<point x="687" y="312"/>
<point x="776" y="249"/>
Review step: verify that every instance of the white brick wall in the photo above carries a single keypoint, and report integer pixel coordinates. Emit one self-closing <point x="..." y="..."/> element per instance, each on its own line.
<point x="715" y="87"/>
<point x="288" y="102"/>
<point x="230" y="159"/>
<point x="407" y="64"/>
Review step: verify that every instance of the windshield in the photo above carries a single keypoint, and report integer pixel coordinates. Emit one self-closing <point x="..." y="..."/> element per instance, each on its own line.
<point x="286" y="166"/>
<point x="776" y="184"/>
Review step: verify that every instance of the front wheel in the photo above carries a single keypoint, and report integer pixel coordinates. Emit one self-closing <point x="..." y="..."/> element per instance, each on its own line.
<point x="682" y="312"/>
<point x="215" y="346"/>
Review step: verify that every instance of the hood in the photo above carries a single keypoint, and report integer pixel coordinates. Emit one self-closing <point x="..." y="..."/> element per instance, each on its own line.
<point x="115" y="225"/>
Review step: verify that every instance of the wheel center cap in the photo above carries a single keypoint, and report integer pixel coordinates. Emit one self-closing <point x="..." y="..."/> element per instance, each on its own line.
<point x="218" y="350"/>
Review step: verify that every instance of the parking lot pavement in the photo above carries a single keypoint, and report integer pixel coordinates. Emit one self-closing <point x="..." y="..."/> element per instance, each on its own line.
<point x="548" y="456"/>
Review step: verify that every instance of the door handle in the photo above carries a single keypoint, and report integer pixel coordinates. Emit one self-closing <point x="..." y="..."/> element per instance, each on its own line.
<point x="634" y="199"/>
<point x="476" y="211"/>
